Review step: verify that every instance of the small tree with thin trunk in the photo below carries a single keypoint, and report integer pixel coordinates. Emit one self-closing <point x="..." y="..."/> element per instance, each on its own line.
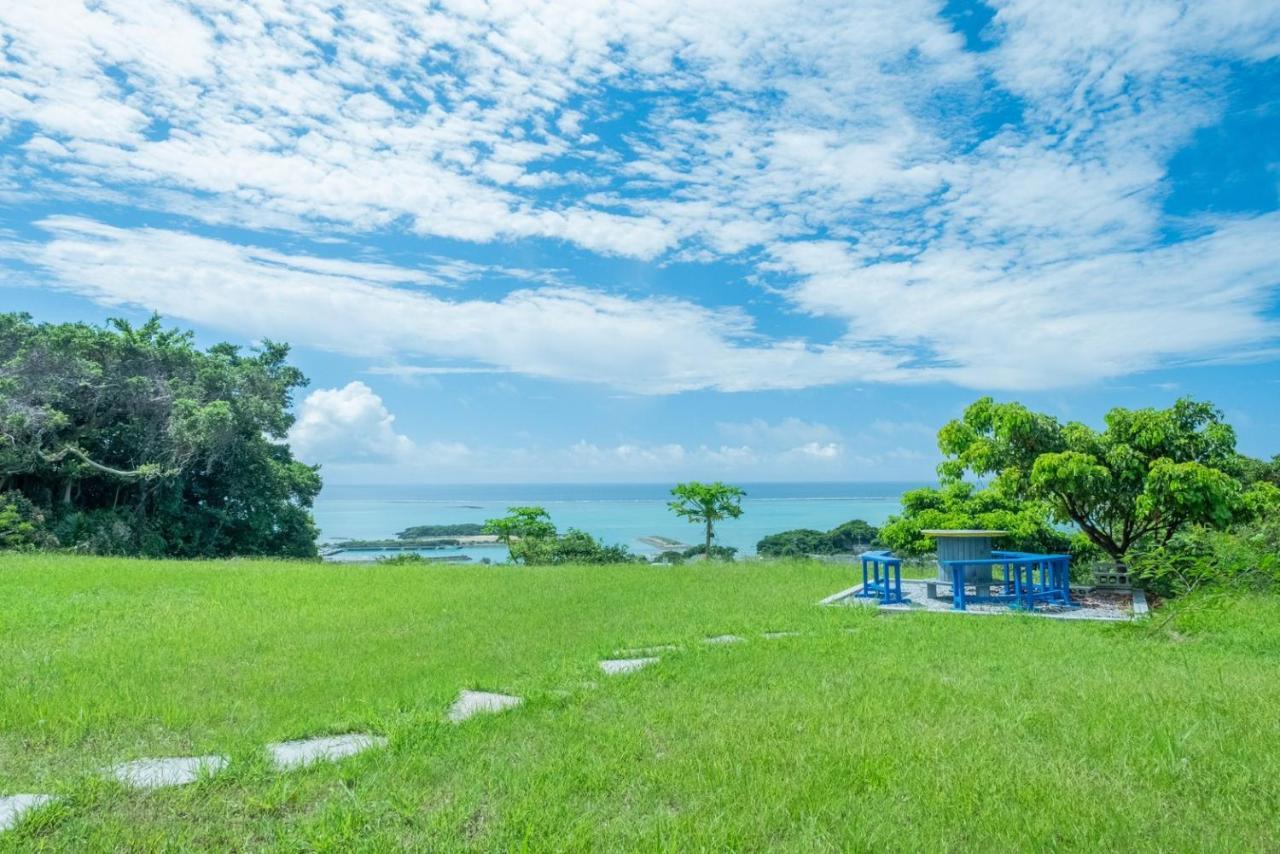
<point x="521" y="529"/>
<point x="706" y="504"/>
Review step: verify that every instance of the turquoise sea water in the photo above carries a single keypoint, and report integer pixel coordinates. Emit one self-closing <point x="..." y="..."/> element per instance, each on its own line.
<point x="616" y="513"/>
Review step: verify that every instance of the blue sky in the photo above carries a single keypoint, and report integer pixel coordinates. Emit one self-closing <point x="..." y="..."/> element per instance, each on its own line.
<point x="606" y="241"/>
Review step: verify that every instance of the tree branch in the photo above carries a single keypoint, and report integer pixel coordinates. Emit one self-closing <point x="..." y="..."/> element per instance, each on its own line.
<point x="143" y="473"/>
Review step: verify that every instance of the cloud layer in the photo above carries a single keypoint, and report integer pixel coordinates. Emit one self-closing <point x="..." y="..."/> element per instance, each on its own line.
<point x="986" y="214"/>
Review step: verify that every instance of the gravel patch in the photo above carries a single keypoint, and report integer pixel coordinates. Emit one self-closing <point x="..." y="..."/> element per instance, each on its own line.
<point x="305" y="751"/>
<point x="14" y="807"/>
<point x="1106" y="606"/>
<point x="171" y="771"/>
<point x="614" y="666"/>
<point x="471" y="703"/>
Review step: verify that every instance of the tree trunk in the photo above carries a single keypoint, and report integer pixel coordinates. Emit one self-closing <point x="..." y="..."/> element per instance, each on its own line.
<point x="708" y="551"/>
<point x="66" y="492"/>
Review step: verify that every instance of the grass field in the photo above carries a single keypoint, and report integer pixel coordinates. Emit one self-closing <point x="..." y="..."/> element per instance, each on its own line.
<point x="895" y="732"/>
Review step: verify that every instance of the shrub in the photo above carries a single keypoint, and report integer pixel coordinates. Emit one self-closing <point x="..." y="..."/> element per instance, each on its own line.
<point x="22" y="524"/>
<point x="717" y="552"/>
<point x="1244" y="557"/>
<point x="402" y="559"/>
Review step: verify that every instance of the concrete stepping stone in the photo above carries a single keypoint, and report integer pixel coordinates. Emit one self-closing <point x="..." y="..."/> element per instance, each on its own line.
<point x="14" y="807"/>
<point x="171" y="771"/>
<point x="471" y="703"/>
<point x="775" y="635"/>
<point x="725" y="639"/>
<point x="286" y="755"/>
<point x="614" y="666"/>
<point x="643" y="651"/>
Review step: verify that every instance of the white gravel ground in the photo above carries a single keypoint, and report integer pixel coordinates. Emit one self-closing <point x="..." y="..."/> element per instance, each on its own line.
<point x="920" y="601"/>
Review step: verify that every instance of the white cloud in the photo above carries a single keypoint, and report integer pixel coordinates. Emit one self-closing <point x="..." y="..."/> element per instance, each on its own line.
<point x="831" y="144"/>
<point x="351" y="424"/>
<point x="787" y="433"/>
<point x="644" y="345"/>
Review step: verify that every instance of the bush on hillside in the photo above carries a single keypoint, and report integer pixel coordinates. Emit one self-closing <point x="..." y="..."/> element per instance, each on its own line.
<point x="852" y="536"/>
<point x="717" y="552"/>
<point x="1246" y="557"/>
<point x="22" y="524"/>
<point x="571" y="547"/>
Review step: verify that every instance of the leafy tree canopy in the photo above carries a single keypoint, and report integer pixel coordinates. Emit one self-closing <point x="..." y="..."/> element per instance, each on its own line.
<point x="130" y="440"/>
<point x="532" y="539"/>
<point x="521" y="524"/>
<point x="963" y="505"/>
<point x="706" y="504"/>
<point x="1147" y="474"/>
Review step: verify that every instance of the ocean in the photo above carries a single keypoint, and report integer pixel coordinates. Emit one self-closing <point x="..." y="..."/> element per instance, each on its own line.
<point x="615" y="513"/>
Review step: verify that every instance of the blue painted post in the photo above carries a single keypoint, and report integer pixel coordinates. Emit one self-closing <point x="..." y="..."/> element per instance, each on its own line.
<point x="957" y="587"/>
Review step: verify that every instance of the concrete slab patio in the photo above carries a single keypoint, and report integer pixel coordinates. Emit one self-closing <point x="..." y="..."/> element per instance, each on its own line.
<point x="1103" y="606"/>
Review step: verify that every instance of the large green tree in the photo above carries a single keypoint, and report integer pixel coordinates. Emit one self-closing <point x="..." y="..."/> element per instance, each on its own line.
<point x="706" y="504"/>
<point x="1143" y="477"/>
<point x="130" y="439"/>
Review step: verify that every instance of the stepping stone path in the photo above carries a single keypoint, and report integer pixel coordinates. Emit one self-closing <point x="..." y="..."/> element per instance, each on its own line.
<point x="175" y="771"/>
<point x="298" y="754"/>
<point x="285" y="755"/>
<point x="471" y="703"/>
<point x="773" y="635"/>
<point x="14" y="807"/>
<point x="614" y="666"/>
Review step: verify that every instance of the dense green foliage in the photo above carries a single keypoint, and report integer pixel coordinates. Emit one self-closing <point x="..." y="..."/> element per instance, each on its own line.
<point x="532" y="539"/>
<point x="851" y="536"/>
<point x="1145" y="476"/>
<point x="461" y="529"/>
<point x="706" y="504"/>
<point x="921" y="732"/>
<point x="132" y="441"/>
<point x="1246" y="556"/>
<point x="22" y="524"/>
<point x="963" y="505"/>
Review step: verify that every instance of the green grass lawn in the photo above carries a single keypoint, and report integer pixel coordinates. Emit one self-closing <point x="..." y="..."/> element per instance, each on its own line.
<point x="905" y="731"/>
